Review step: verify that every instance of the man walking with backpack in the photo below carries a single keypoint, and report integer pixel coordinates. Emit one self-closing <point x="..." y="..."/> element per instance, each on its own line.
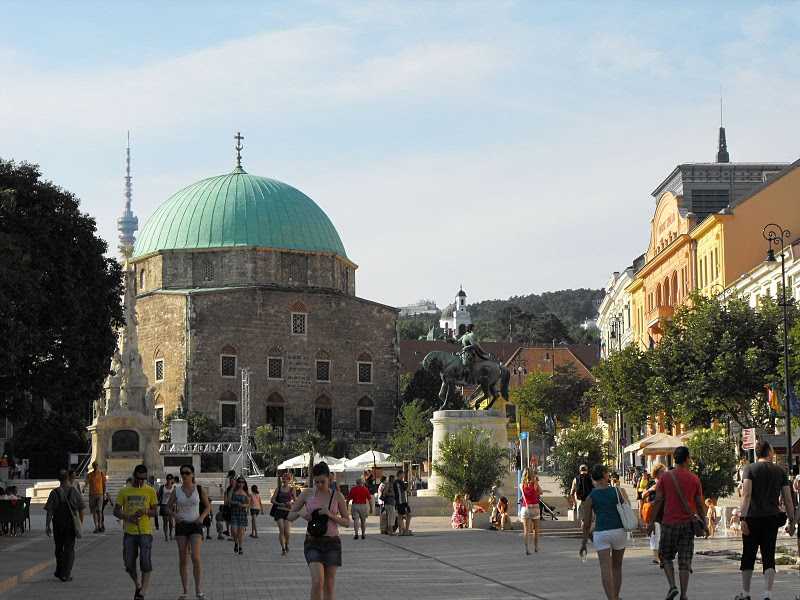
<point x="65" y="512"/>
<point x="582" y="486"/>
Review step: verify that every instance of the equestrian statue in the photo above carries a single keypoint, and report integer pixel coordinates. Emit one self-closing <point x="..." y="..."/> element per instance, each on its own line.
<point x="470" y="366"/>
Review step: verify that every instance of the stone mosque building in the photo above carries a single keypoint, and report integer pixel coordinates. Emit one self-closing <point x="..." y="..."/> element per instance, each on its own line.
<point x="241" y="271"/>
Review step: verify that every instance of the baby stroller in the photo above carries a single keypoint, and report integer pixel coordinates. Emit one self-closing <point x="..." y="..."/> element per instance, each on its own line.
<point x="548" y="511"/>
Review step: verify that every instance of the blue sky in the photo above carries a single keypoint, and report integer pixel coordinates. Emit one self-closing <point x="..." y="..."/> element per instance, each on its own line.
<point x="507" y="146"/>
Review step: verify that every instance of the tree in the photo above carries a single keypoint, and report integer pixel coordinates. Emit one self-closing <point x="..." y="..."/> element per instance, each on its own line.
<point x="425" y="386"/>
<point x="409" y="440"/>
<point x="314" y="443"/>
<point x="561" y="396"/>
<point x="714" y="461"/>
<point x="201" y="427"/>
<point x="621" y="384"/>
<point x="715" y="359"/>
<point x="271" y="447"/>
<point x="59" y="299"/>
<point x="47" y="439"/>
<point x="580" y="444"/>
<point x="469" y="463"/>
<point x="416" y="327"/>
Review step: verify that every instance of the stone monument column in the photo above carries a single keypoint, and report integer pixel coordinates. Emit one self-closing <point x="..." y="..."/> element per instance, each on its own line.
<point x="446" y="422"/>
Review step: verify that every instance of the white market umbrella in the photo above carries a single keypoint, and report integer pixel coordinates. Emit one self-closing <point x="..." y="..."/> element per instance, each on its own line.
<point x="301" y="461"/>
<point x="369" y="459"/>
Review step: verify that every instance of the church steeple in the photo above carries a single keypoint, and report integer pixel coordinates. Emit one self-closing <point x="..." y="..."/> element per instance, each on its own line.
<point x="127" y="224"/>
<point x="722" y="149"/>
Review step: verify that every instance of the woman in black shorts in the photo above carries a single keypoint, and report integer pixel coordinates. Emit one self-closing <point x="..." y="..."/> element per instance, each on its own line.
<point x="282" y="500"/>
<point x="189" y="506"/>
<point x="323" y="547"/>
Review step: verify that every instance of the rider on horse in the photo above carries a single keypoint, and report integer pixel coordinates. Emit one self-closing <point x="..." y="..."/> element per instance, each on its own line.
<point x="469" y="350"/>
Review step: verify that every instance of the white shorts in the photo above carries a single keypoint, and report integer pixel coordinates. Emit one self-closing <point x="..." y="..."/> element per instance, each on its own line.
<point x="530" y="512"/>
<point x="614" y="539"/>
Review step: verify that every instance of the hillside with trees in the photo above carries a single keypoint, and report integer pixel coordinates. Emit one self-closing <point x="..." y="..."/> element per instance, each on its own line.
<point x="530" y="319"/>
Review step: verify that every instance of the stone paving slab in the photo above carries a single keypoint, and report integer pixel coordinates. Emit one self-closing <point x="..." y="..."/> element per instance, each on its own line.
<point x="437" y="563"/>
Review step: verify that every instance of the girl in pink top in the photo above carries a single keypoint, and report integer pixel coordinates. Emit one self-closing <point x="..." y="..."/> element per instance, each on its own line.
<point x="529" y="512"/>
<point x="323" y="553"/>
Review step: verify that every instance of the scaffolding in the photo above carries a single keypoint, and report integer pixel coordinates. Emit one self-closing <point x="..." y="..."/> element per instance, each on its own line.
<point x="245" y="460"/>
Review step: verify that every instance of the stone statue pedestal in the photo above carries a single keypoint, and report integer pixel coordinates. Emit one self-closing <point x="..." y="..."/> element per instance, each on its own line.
<point x="123" y="439"/>
<point x="446" y="422"/>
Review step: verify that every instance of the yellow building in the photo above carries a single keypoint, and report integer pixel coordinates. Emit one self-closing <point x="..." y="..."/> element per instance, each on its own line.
<point x="730" y="243"/>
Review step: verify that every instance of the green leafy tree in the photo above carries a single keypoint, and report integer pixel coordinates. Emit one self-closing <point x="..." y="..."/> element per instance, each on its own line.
<point x="271" y="447"/>
<point x="622" y="384"/>
<point x="715" y="359"/>
<point x="416" y="327"/>
<point x="314" y="443"/>
<point x="201" y="427"/>
<point x="47" y="439"/>
<point x="714" y="462"/>
<point x="580" y="444"/>
<point x="562" y="396"/>
<point x="424" y="386"/>
<point x="409" y="440"/>
<point x="469" y="463"/>
<point x="59" y="299"/>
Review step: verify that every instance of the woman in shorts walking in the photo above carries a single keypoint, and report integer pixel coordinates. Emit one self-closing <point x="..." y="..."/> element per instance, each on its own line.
<point x="255" y="510"/>
<point x="610" y="536"/>
<point x="189" y="506"/>
<point x="325" y="510"/>
<point x="282" y="499"/>
<point x="240" y="504"/>
<point x="530" y="513"/>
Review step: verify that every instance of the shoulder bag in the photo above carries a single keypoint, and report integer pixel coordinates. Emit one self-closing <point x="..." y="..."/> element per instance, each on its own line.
<point x="76" y="520"/>
<point x="318" y="525"/>
<point x="698" y="524"/>
<point x="625" y="510"/>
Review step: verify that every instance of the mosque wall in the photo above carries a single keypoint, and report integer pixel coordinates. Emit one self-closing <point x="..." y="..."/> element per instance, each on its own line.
<point x="256" y="326"/>
<point x="180" y="269"/>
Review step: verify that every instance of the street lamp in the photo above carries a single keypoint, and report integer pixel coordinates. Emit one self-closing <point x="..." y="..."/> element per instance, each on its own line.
<point x="616" y="333"/>
<point x="777" y="236"/>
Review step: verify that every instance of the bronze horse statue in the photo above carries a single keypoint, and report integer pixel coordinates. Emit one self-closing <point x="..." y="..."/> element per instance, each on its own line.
<point x="492" y="377"/>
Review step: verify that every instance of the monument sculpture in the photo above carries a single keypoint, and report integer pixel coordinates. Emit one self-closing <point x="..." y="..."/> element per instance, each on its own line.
<point x="470" y="366"/>
<point x="124" y="429"/>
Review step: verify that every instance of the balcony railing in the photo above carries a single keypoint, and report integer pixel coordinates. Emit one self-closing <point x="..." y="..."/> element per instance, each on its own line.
<point x="658" y="314"/>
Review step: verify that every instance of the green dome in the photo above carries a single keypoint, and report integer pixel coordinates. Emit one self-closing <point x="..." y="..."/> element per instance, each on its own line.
<point x="239" y="209"/>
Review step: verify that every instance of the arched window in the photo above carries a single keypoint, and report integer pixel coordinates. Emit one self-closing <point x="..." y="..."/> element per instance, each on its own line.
<point x="323" y="416"/>
<point x="675" y="288"/>
<point x="228" y="410"/>
<point x="208" y="270"/>
<point x="667" y="296"/>
<point x="142" y="280"/>
<point x="658" y="295"/>
<point x="364" y="411"/>
<point x="275" y="414"/>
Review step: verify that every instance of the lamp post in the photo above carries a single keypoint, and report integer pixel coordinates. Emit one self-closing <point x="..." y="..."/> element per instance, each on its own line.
<point x="616" y="334"/>
<point x="777" y="236"/>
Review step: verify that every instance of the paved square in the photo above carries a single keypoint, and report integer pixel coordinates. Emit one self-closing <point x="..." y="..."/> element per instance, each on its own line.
<point x="437" y="563"/>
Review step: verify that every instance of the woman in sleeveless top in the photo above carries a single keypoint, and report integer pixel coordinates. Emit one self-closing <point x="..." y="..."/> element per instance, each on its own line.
<point x="282" y="499"/>
<point x="529" y="514"/>
<point x="323" y="553"/>
<point x="609" y="538"/>
<point x="189" y="506"/>
<point x="240" y="503"/>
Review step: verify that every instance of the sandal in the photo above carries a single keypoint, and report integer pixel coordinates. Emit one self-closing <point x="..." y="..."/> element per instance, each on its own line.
<point x="672" y="593"/>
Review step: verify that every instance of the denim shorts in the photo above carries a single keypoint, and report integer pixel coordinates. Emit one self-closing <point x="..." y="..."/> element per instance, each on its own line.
<point x="325" y="550"/>
<point x="137" y="546"/>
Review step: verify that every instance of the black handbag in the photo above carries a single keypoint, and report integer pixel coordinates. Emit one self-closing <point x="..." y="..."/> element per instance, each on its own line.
<point x="318" y="525"/>
<point x="698" y="524"/>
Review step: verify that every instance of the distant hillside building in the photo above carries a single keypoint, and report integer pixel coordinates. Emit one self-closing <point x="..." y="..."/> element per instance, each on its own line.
<point x="423" y="307"/>
<point x="454" y="320"/>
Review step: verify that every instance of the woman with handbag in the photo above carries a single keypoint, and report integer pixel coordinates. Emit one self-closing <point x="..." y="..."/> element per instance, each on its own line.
<point x="529" y="514"/>
<point x="325" y="510"/>
<point x="610" y="535"/>
<point x="281" y="500"/>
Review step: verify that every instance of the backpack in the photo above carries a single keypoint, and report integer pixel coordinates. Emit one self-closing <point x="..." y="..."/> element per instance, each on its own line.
<point x="583" y="486"/>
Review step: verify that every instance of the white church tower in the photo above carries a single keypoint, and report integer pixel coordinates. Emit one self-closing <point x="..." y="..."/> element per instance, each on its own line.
<point x="455" y="324"/>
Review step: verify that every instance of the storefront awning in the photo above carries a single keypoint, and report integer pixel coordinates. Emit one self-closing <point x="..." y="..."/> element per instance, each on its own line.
<point x="664" y="447"/>
<point x="650" y="439"/>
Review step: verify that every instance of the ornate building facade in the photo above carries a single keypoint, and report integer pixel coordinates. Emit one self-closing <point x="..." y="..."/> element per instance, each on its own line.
<point x="239" y="271"/>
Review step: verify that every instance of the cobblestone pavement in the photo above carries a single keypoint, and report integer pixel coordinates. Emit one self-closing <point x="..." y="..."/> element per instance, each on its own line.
<point x="437" y="563"/>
